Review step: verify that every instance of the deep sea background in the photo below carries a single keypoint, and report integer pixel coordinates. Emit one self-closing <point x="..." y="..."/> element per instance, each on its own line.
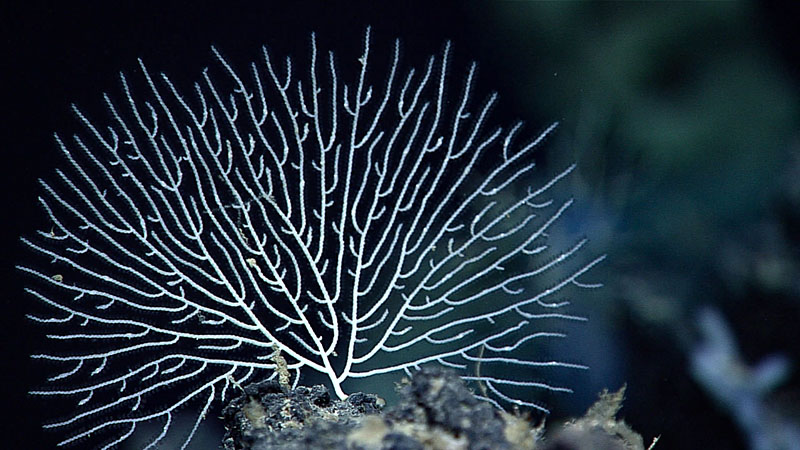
<point x="684" y="119"/>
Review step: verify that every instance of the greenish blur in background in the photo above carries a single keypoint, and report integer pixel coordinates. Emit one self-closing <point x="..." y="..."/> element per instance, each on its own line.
<point x="685" y="122"/>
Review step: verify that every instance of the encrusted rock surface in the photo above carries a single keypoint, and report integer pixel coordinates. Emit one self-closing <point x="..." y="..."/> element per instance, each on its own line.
<point x="436" y="412"/>
<point x="268" y="417"/>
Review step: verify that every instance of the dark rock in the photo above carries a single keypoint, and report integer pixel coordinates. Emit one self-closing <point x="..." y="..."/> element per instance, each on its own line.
<point x="269" y="417"/>
<point x="438" y="407"/>
<point x="436" y="411"/>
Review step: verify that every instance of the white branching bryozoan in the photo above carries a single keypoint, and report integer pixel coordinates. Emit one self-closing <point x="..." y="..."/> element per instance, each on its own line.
<point x="357" y="226"/>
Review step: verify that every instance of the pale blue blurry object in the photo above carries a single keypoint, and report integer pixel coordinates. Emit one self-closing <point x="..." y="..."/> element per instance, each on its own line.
<point x="741" y="389"/>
